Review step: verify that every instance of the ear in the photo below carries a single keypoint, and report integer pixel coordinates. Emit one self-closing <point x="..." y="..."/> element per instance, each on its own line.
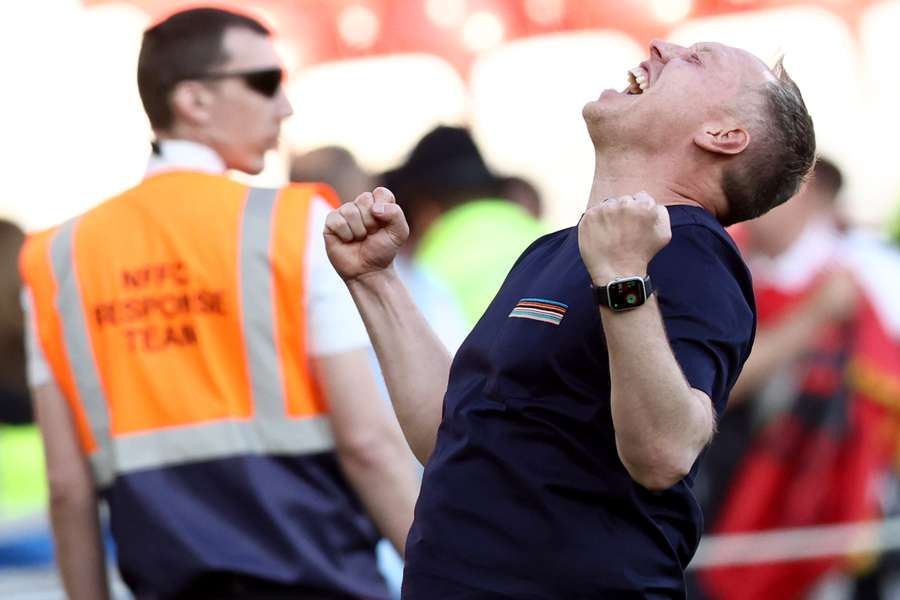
<point x="191" y="101"/>
<point x="720" y="138"/>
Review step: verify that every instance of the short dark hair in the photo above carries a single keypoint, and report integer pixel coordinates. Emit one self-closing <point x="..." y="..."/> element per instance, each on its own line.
<point x="184" y="45"/>
<point x="781" y="153"/>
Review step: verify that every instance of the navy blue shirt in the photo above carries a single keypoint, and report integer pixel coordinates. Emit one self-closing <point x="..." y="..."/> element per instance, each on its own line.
<point x="525" y="495"/>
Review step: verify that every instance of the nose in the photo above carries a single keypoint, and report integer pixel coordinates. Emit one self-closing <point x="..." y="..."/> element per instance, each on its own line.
<point x="665" y="51"/>
<point x="285" y="109"/>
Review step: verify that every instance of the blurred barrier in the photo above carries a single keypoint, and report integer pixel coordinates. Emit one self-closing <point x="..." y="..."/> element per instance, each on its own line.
<point x="797" y="544"/>
<point x="27" y="570"/>
<point x="44" y="584"/>
<point x="714" y="551"/>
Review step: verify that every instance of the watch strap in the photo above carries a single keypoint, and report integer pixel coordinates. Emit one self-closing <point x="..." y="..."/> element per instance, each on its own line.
<point x="648" y="288"/>
<point x="601" y="296"/>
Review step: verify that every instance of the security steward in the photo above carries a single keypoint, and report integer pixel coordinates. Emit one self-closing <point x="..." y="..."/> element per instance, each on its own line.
<point x="198" y="364"/>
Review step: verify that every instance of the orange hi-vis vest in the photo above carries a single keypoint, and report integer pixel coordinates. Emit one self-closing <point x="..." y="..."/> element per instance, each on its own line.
<point x="173" y="320"/>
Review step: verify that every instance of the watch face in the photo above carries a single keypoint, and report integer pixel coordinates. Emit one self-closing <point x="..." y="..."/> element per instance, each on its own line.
<point x="626" y="294"/>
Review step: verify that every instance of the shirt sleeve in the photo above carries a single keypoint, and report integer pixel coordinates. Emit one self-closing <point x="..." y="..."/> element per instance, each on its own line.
<point x="707" y="315"/>
<point x="333" y="322"/>
<point x="37" y="368"/>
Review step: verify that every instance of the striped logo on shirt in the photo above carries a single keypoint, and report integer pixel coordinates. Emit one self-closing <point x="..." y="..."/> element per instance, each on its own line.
<point x="539" y="309"/>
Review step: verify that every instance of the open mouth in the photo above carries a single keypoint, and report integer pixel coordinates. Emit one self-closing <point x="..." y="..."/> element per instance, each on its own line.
<point x="638" y="81"/>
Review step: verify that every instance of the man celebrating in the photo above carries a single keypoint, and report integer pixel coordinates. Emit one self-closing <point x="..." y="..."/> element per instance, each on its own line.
<point x="199" y="364"/>
<point x="561" y="460"/>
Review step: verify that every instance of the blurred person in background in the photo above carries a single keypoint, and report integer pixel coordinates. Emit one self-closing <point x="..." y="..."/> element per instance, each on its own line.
<point x="24" y="538"/>
<point x="206" y="373"/>
<point x="522" y="192"/>
<point x="764" y="241"/>
<point x="462" y="230"/>
<point x="789" y="241"/>
<point x="333" y="166"/>
<point x="563" y="442"/>
<point x="803" y="441"/>
<point x="15" y="405"/>
<point x="894" y="228"/>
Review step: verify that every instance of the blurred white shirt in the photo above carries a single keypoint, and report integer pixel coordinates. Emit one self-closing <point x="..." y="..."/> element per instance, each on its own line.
<point x="874" y="262"/>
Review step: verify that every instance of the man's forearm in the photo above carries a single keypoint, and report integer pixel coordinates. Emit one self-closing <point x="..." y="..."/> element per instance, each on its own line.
<point x="385" y="481"/>
<point x="415" y="364"/>
<point x="795" y="333"/>
<point x="774" y="347"/>
<point x="73" y="501"/>
<point x="661" y="423"/>
<point x="79" y="548"/>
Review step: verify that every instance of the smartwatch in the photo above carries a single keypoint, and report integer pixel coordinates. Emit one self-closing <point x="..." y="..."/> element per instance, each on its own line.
<point x="623" y="293"/>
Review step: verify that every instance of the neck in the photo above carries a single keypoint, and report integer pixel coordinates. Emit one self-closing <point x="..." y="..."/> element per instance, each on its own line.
<point x="171" y="152"/>
<point x="618" y="174"/>
<point x="183" y="134"/>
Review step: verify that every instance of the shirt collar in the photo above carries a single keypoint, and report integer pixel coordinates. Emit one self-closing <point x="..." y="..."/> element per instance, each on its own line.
<point x="184" y="155"/>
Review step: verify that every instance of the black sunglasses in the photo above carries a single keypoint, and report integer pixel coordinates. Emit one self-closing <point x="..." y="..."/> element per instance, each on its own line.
<point x="263" y="81"/>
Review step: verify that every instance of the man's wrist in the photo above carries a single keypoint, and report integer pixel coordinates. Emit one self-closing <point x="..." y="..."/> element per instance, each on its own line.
<point x="373" y="280"/>
<point x="623" y="293"/>
<point x="602" y="277"/>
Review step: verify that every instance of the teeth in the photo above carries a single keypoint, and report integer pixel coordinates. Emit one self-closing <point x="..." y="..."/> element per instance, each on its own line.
<point x="633" y="86"/>
<point x="640" y="77"/>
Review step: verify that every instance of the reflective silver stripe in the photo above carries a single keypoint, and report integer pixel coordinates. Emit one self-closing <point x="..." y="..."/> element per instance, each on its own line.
<point x="220" y="439"/>
<point x="257" y="304"/>
<point x="270" y="431"/>
<point x="76" y="340"/>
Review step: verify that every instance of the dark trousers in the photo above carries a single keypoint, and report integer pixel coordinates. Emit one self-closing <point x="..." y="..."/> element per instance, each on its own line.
<point x="419" y="586"/>
<point x="234" y="586"/>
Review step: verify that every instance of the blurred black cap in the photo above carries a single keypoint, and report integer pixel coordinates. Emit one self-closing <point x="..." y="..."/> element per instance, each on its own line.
<point x="445" y="159"/>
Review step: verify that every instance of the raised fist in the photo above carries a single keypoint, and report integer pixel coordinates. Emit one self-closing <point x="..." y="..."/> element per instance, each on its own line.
<point x="619" y="236"/>
<point x="363" y="236"/>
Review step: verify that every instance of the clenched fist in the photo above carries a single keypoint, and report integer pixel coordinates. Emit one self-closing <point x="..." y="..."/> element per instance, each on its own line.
<point x="619" y="236"/>
<point x="363" y="236"/>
